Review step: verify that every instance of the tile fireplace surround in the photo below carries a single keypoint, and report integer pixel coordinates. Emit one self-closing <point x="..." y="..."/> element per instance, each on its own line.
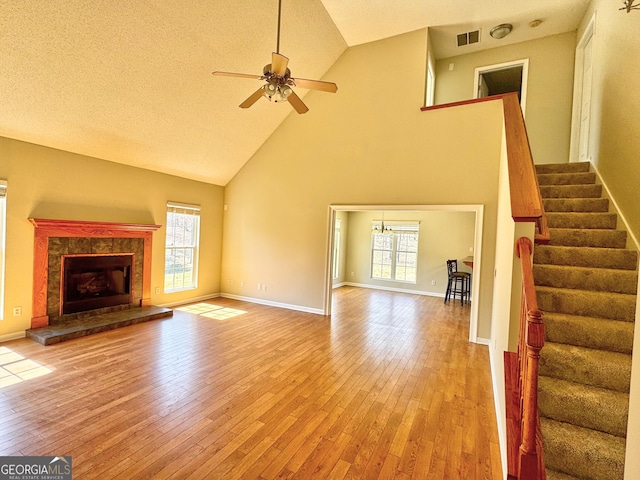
<point x="52" y="236"/>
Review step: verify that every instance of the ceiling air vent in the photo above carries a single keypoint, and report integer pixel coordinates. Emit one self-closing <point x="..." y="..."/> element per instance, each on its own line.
<point x="468" y="38"/>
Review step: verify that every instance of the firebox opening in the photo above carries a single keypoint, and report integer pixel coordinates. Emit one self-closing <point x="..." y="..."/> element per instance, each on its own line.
<point x="95" y="281"/>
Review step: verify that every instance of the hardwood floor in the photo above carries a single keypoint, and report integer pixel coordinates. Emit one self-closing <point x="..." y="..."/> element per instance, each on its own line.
<point x="388" y="387"/>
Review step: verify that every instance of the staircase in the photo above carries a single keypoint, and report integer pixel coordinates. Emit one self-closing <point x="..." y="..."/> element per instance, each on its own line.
<point x="586" y="283"/>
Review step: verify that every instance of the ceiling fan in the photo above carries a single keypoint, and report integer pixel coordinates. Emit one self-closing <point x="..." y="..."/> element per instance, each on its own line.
<point x="279" y="80"/>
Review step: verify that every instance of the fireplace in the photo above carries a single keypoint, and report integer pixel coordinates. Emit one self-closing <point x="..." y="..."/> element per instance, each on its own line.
<point x="95" y="281"/>
<point x="126" y="284"/>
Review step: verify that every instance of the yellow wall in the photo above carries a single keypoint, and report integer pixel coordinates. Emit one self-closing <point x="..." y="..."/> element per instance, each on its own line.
<point x="549" y="91"/>
<point x="367" y="144"/>
<point x="49" y="183"/>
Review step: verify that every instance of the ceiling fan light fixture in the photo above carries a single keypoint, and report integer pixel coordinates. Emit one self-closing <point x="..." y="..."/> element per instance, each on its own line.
<point x="277" y="93"/>
<point x="270" y="89"/>
<point x="501" y="31"/>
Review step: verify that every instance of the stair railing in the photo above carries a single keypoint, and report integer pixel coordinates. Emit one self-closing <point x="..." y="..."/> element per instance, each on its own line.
<point x="525" y="457"/>
<point x="530" y="464"/>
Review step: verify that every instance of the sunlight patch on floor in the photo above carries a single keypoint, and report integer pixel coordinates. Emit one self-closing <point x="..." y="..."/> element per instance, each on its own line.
<point x="14" y="368"/>
<point x="211" y="311"/>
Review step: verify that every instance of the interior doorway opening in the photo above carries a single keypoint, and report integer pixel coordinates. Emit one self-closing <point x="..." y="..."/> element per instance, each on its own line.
<point x="503" y="78"/>
<point x="476" y="211"/>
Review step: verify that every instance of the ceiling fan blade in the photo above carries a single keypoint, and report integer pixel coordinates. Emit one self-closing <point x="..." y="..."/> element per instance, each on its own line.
<point x="252" y="99"/>
<point x="279" y="64"/>
<point x="316" y="85"/>
<point x="241" y="75"/>
<point x="297" y="104"/>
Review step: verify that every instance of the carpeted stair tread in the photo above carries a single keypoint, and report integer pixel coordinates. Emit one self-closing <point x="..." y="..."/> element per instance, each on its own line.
<point x="581" y="178"/>
<point x="589" y="332"/>
<point x="555" y="475"/>
<point x="587" y="303"/>
<point x="576" y="205"/>
<point x="587" y="454"/>
<point x="569" y="167"/>
<point x="594" y="257"/>
<point x="577" y="237"/>
<point x="584" y="278"/>
<point x="583" y="405"/>
<point x="600" y="220"/>
<point x="599" y="368"/>
<point x="571" y="191"/>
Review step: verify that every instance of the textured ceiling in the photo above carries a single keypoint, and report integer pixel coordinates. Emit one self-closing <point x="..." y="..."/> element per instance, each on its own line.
<point x="131" y="82"/>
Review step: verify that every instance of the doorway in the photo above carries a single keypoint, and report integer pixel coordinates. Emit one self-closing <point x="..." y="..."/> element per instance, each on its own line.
<point x="477" y="210"/>
<point x="503" y="78"/>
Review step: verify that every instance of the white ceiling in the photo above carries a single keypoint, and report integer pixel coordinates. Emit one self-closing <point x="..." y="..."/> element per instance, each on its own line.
<point x="131" y="82"/>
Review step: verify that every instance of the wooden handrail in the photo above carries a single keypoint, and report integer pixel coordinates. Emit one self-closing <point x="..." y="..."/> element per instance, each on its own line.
<point x="529" y="461"/>
<point x="526" y="202"/>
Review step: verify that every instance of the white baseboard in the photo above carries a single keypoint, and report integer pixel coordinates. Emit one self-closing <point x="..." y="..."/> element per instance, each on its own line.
<point x="483" y="341"/>
<point x="338" y="285"/>
<point x="393" y="289"/>
<point x="269" y="303"/>
<point x="500" y="415"/>
<point x="12" y="336"/>
<point x="189" y="300"/>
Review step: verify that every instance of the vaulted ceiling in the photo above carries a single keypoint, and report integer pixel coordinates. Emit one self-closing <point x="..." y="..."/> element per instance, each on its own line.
<point x="131" y="82"/>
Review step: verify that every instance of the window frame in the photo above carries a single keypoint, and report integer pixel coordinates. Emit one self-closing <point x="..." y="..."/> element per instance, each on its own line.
<point x="190" y="243"/>
<point x="395" y="231"/>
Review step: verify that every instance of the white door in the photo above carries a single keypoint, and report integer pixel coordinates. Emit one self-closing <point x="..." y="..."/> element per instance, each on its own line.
<point x="483" y="89"/>
<point x="582" y="88"/>
<point x="585" y="101"/>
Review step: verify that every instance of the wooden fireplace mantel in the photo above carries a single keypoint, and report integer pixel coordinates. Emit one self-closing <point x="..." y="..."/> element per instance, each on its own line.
<point x="45" y="228"/>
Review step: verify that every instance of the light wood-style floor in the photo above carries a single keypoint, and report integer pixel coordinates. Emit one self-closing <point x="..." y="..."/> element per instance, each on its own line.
<point x="388" y="387"/>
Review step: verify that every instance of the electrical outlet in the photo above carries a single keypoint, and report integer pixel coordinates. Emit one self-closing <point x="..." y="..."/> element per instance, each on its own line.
<point x="433" y="282"/>
<point x="242" y="283"/>
<point x="157" y="290"/>
<point x="259" y="286"/>
<point x="17" y="311"/>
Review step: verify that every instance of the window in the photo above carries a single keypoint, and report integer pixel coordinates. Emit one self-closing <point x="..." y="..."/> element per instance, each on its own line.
<point x="3" y="225"/>
<point x="394" y="251"/>
<point x="336" y="249"/>
<point x="181" y="254"/>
